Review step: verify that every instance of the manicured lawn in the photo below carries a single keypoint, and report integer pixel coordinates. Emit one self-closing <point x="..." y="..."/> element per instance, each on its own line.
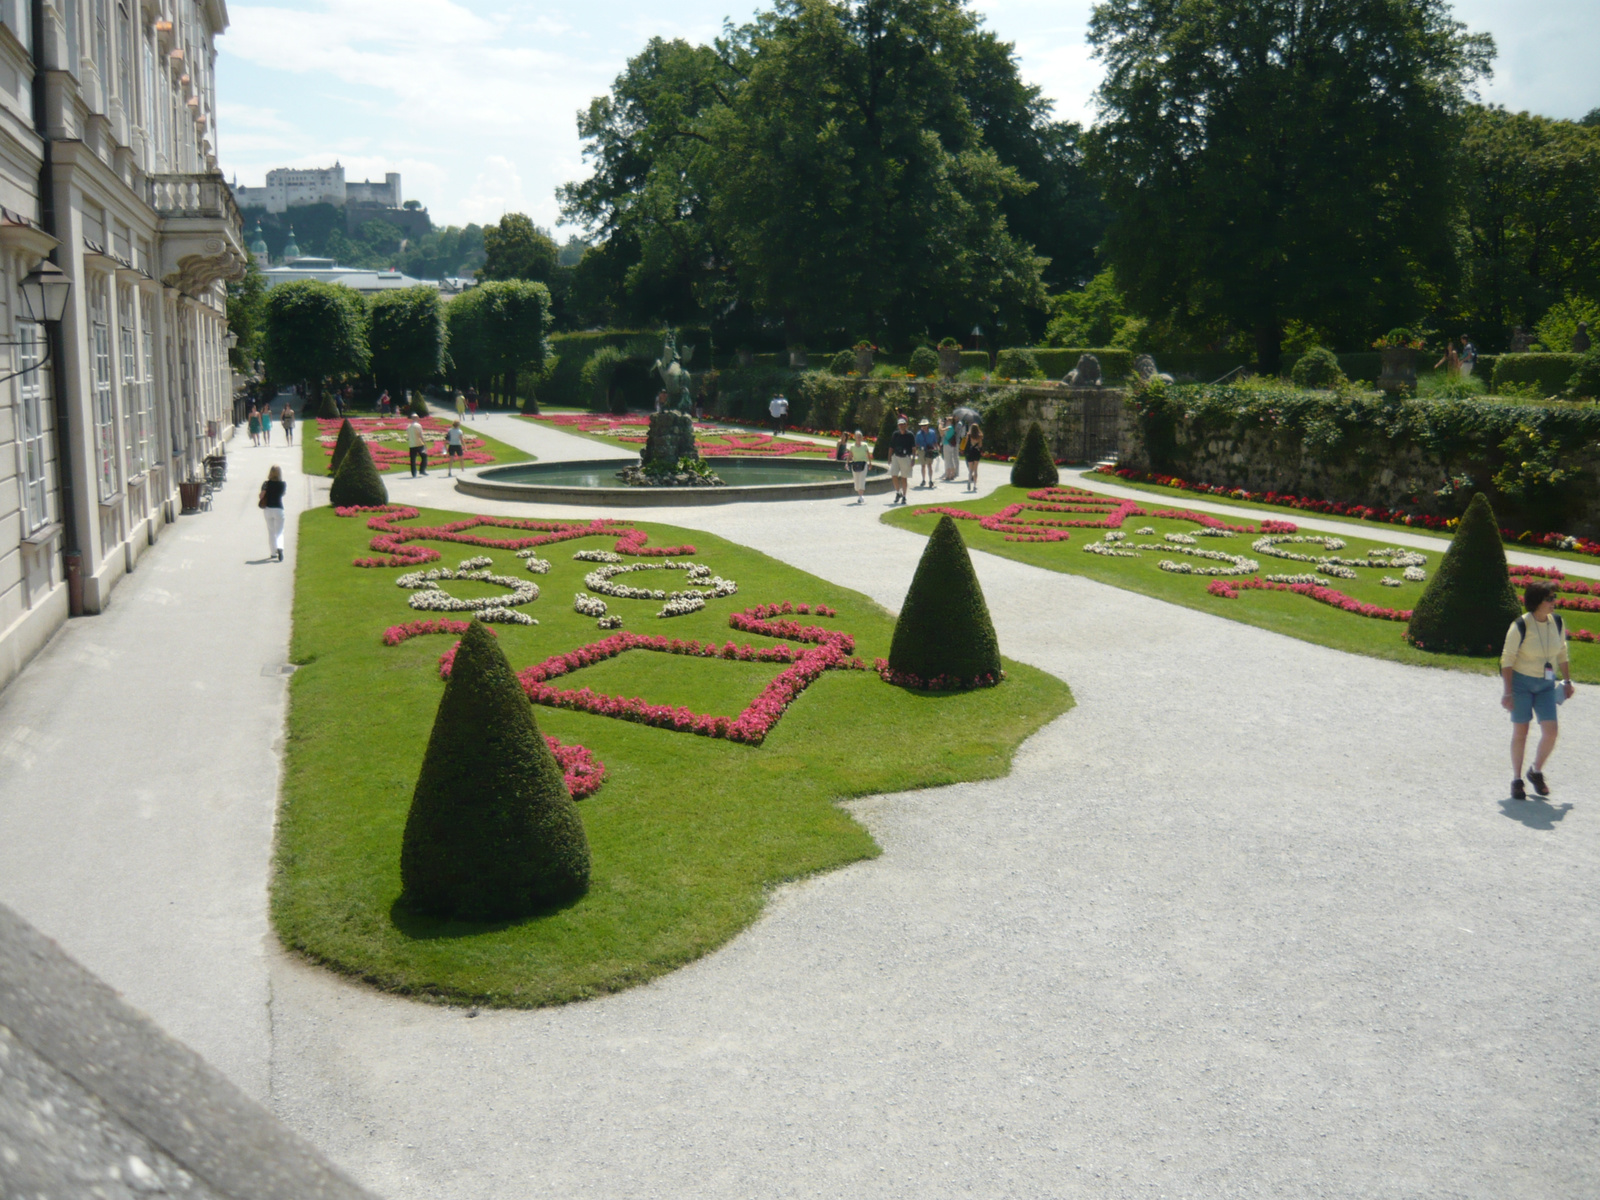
<point x="1283" y="612"/>
<point x="1284" y="512"/>
<point x="316" y="454"/>
<point x="687" y="834"/>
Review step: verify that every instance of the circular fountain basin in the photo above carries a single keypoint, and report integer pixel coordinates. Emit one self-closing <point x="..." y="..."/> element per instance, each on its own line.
<point x="594" y="481"/>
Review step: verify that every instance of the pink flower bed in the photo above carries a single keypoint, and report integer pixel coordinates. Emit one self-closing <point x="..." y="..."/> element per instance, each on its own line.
<point x="712" y="443"/>
<point x="939" y="683"/>
<point x="830" y="650"/>
<point x="1109" y="513"/>
<point x="389" y="454"/>
<point x="395" y="542"/>
<point x="580" y="769"/>
<point x="1230" y="590"/>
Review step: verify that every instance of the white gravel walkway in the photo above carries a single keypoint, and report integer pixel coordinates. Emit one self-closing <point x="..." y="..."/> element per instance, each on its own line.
<point x="1252" y="920"/>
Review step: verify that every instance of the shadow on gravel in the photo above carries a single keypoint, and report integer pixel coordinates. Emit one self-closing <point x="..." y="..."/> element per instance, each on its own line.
<point x="1535" y="814"/>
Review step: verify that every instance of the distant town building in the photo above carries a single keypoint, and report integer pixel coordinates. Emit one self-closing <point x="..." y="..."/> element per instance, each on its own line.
<point x="299" y="266"/>
<point x="288" y="188"/>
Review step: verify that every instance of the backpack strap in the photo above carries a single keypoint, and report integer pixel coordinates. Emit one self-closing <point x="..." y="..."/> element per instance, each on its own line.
<point x="1522" y="630"/>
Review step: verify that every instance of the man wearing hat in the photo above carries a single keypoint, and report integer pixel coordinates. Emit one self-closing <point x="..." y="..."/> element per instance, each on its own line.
<point x="902" y="446"/>
<point x="927" y="450"/>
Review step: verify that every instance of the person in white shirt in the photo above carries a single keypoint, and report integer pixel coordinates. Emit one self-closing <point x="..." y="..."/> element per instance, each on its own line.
<point x="779" y="408"/>
<point x="416" y="446"/>
<point x="1535" y="650"/>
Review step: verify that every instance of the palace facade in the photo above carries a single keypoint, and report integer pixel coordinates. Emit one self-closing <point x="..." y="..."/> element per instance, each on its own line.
<point x="108" y="169"/>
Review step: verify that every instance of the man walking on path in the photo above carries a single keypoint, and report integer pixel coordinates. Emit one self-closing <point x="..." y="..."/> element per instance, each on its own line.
<point x="779" y="408"/>
<point x="927" y="450"/>
<point x="416" y="446"/>
<point x="902" y="445"/>
<point x="1536" y="646"/>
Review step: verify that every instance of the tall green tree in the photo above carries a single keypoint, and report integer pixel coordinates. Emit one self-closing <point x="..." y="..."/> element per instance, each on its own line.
<point x="406" y="336"/>
<point x="314" y="332"/>
<point x="1277" y="160"/>
<point x="1532" y="219"/>
<point x="848" y="181"/>
<point x="516" y="248"/>
<point x="498" y="330"/>
<point x="246" y="311"/>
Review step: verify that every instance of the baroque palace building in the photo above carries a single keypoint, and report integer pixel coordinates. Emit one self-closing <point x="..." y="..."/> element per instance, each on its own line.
<point x="107" y="169"/>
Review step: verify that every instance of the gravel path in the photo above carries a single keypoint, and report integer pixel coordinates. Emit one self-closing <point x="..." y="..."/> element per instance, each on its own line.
<point x="1252" y="920"/>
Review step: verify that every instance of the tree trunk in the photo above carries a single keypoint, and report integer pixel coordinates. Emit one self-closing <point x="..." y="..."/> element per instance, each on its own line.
<point x="1269" y="348"/>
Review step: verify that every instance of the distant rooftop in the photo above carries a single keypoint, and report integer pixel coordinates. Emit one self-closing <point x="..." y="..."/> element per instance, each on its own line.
<point x="362" y="279"/>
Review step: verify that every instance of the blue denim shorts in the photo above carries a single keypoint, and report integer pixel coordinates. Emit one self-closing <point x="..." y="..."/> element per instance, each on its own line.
<point x="1530" y="696"/>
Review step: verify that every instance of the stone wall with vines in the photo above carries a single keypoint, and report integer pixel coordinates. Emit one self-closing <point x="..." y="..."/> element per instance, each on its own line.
<point x="1536" y="462"/>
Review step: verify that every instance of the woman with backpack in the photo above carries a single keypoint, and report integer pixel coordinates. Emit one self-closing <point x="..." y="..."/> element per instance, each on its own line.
<point x="1535" y="650"/>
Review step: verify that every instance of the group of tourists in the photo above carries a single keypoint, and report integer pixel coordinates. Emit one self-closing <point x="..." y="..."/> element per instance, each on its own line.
<point x="260" y="424"/>
<point x="939" y="445"/>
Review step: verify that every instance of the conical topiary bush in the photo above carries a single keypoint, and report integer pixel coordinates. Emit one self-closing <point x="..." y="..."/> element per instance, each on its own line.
<point x="880" y="448"/>
<point x="944" y="637"/>
<point x="492" y="833"/>
<point x="357" y="480"/>
<point x="341" y="445"/>
<point x="1469" y="602"/>
<point x="1034" y="467"/>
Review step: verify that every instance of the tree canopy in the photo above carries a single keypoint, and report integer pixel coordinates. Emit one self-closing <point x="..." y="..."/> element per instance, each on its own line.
<point x="407" y="336"/>
<point x="832" y="166"/>
<point x="314" y="331"/>
<point x="516" y="248"/>
<point x="1269" y="160"/>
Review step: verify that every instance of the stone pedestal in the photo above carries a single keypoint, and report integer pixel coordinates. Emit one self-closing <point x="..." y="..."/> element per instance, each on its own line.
<point x="1399" y="370"/>
<point x="671" y="438"/>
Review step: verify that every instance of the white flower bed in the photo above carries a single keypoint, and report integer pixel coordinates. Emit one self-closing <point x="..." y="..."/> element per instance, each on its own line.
<point x="1341" y="568"/>
<point x="1183" y="568"/>
<point x="1393" y="556"/>
<point x="428" y="596"/>
<point x="1117" y="535"/>
<point x="602" y="556"/>
<point x="1308" y="578"/>
<point x="1389" y="581"/>
<point x="1208" y="531"/>
<point x="708" y="586"/>
<point x="535" y="564"/>
<point x="475" y="564"/>
<point x="1180" y="539"/>
<point x="506" y="616"/>
<point x="589" y="606"/>
<point x="682" y="605"/>
<point x="612" y="622"/>
<point x="1145" y="530"/>
<point x="1110" y="551"/>
<point x="1414" y="574"/>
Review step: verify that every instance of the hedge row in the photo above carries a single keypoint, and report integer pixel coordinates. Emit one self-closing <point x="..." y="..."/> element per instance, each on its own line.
<point x="1550" y="373"/>
<point x="1536" y="461"/>
<point x="1116" y="364"/>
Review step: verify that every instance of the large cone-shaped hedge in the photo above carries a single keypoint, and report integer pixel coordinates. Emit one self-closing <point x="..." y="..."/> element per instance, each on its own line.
<point x="944" y="631"/>
<point x="1034" y="467"/>
<point x="341" y="446"/>
<point x="493" y="832"/>
<point x="357" y="480"/>
<point x="890" y="422"/>
<point x="1469" y="602"/>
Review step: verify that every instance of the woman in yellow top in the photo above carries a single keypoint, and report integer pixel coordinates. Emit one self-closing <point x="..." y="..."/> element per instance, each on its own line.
<point x="1535" y="649"/>
<point x="860" y="457"/>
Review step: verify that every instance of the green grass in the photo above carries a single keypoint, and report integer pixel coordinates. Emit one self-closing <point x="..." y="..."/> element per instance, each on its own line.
<point x="1374" y="528"/>
<point x="315" y="455"/>
<point x="1282" y="612"/>
<point x="688" y="834"/>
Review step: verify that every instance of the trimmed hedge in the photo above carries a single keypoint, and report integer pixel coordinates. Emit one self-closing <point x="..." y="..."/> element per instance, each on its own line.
<point x="1549" y="373"/>
<point x="1317" y="368"/>
<point x="880" y="448"/>
<point x="341" y="445"/>
<point x="1469" y="602"/>
<point x="1018" y="363"/>
<point x="944" y="634"/>
<point x="1585" y="380"/>
<point x="924" y="360"/>
<point x="357" y="481"/>
<point x="492" y="833"/>
<point x="1034" y="467"/>
<point x="1367" y="448"/>
<point x="1116" y="364"/>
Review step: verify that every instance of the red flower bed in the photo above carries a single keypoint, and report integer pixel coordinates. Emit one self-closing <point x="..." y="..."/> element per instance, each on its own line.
<point x="1389" y="516"/>
<point x="395" y="541"/>
<point x="831" y="650"/>
<point x="1230" y="590"/>
<point x="711" y="442"/>
<point x="1109" y="512"/>
<point x="939" y="683"/>
<point x="387" y="454"/>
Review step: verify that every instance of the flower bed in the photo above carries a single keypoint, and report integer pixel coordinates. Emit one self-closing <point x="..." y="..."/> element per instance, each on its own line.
<point x="939" y="683"/>
<point x="1230" y="590"/>
<point x="709" y="441"/>
<point x="386" y="439"/>
<point x="395" y="542"/>
<point x="1362" y="512"/>
<point x="830" y="650"/>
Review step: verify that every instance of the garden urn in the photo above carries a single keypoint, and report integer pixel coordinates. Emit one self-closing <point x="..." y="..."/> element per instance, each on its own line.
<point x="1399" y="369"/>
<point x="863" y="361"/>
<point x="949" y="361"/>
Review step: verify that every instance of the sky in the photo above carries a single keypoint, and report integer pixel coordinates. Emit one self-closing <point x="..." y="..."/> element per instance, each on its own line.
<point x="474" y="102"/>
